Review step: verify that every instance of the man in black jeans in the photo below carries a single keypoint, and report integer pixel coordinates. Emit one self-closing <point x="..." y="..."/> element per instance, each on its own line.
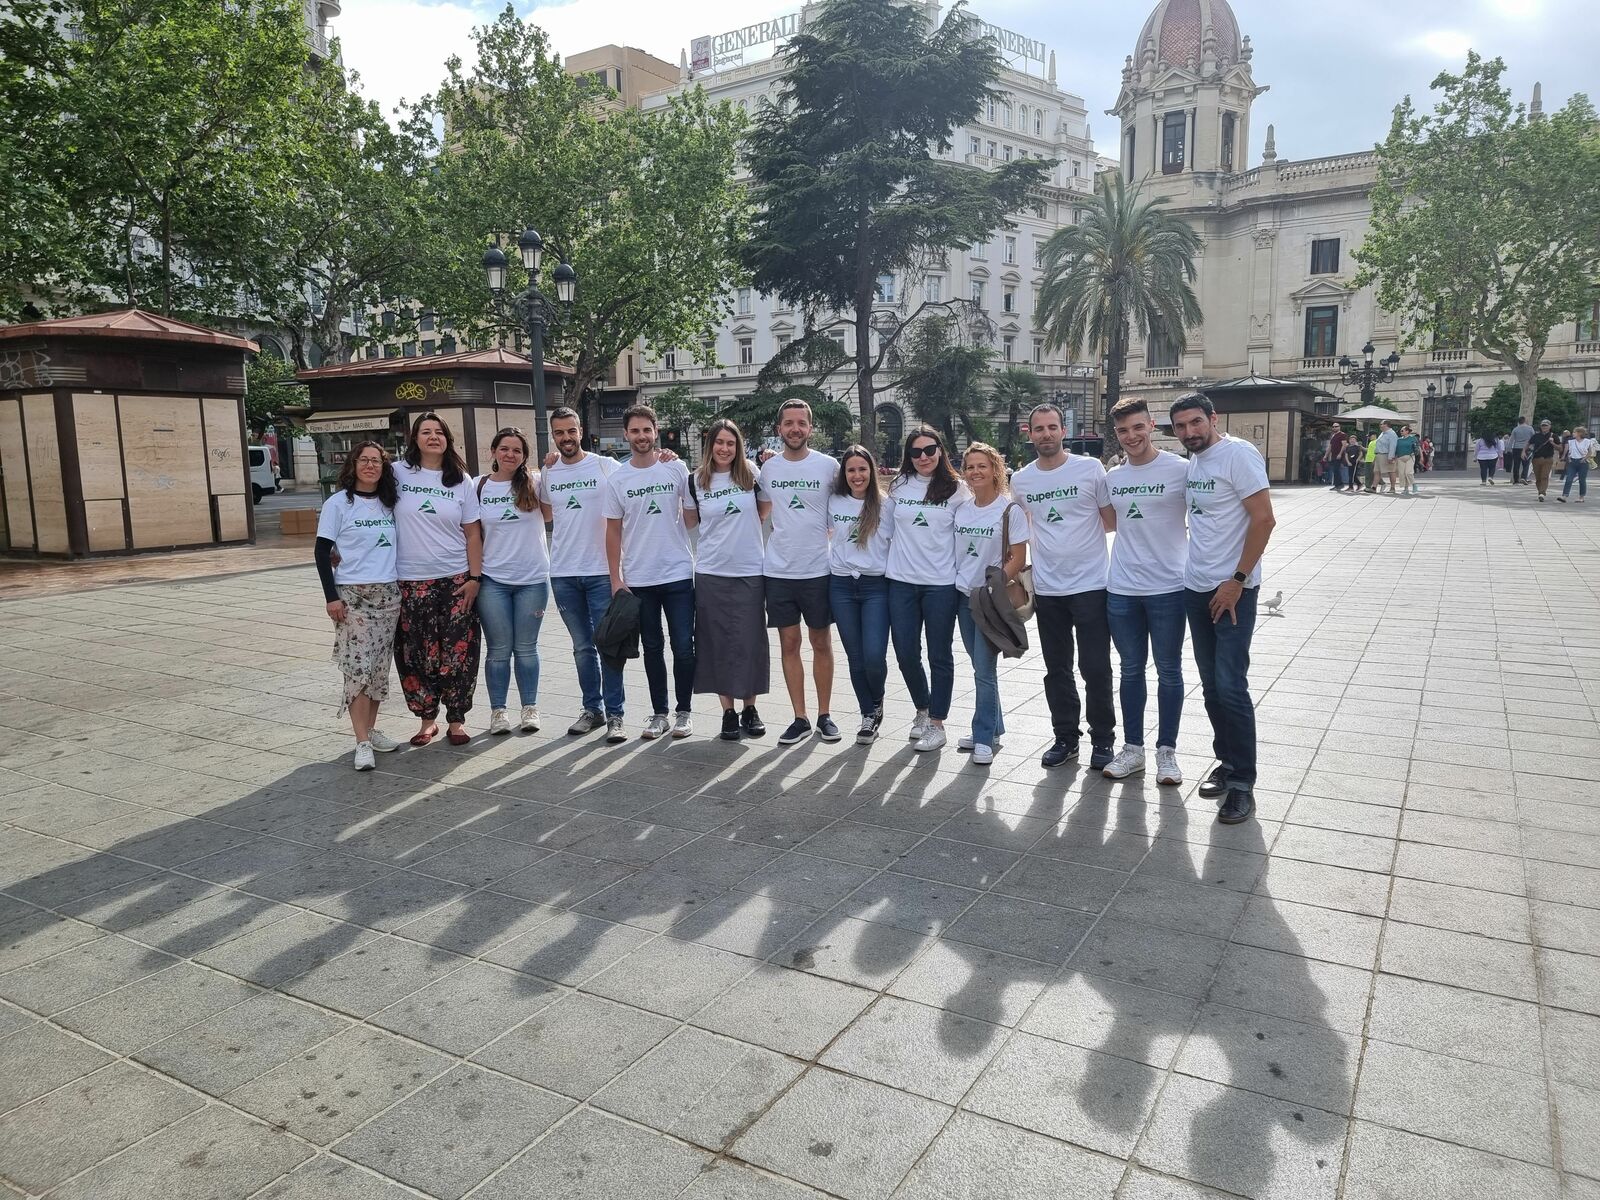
<point x="1069" y="511"/>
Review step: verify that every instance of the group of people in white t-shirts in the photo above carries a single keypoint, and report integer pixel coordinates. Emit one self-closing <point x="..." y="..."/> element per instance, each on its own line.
<point x="414" y="554"/>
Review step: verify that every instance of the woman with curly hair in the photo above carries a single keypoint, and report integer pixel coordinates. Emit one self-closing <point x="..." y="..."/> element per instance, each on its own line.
<point x="516" y="579"/>
<point x="357" y="524"/>
<point x="439" y="562"/>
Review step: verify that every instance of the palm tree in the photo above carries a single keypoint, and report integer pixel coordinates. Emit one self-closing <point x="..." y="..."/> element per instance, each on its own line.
<point x="1015" y="389"/>
<point x="1125" y="262"/>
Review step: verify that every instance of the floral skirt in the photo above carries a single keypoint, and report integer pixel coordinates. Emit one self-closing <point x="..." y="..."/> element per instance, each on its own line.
<point x="437" y="648"/>
<point x="363" y="643"/>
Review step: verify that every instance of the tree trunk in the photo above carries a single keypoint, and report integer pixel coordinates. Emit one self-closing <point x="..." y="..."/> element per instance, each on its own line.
<point x="1119" y="341"/>
<point x="166" y="255"/>
<point x="1528" y="380"/>
<point x="865" y="397"/>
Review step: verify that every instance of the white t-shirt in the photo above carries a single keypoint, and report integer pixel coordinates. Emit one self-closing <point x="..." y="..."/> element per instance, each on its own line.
<point x="922" y="545"/>
<point x="362" y="531"/>
<point x="978" y="531"/>
<point x="730" y="530"/>
<point x="1151" y="547"/>
<point x="798" y="547"/>
<point x="1579" y="448"/>
<point x="847" y="554"/>
<point x="513" y="540"/>
<point x="575" y="494"/>
<point x="649" y="502"/>
<point x="1219" y="481"/>
<point x="1068" y="537"/>
<point x="428" y="524"/>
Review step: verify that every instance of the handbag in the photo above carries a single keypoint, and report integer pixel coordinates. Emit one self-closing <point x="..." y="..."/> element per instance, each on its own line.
<point x="1019" y="590"/>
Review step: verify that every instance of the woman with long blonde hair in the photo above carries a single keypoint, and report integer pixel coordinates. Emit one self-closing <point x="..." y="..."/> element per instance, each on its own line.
<point x="516" y="579"/>
<point x="731" y="651"/>
<point x="858" y="593"/>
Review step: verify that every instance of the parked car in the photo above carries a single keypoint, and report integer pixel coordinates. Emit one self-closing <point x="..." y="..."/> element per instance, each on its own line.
<point x="263" y="476"/>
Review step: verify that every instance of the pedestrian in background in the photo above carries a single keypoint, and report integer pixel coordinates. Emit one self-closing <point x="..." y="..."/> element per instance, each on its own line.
<point x="1405" y="460"/>
<point x="1371" y="463"/>
<point x="1517" y="450"/>
<point x="439" y="560"/>
<point x="1388" y="439"/>
<point x="1355" y="454"/>
<point x="1580" y="457"/>
<point x="516" y="579"/>
<point x="1337" y="466"/>
<point x="357" y="524"/>
<point x="1487" y="451"/>
<point x="1425" y="461"/>
<point x="1542" y="457"/>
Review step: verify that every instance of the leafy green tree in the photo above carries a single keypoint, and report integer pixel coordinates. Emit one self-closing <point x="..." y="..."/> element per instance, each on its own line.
<point x="1483" y="220"/>
<point x="1124" y="264"/>
<point x="1014" y="392"/>
<point x="679" y="410"/>
<point x="270" y="388"/>
<point x="174" y="118"/>
<point x="1499" y="413"/>
<point x="846" y="175"/>
<point x="943" y="375"/>
<point x="643" y="204"/>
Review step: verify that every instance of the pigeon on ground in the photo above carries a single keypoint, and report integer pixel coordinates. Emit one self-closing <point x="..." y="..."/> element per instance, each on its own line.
<point x="1274" y="604"/>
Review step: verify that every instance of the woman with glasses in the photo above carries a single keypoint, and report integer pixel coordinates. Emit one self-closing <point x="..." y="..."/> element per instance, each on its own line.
<point x="858" y="593"/>
<point x="357" y="525"/>
<point x="439" y="559"/>
<point x="516" y="583"/>
<point x="921" y="573"/>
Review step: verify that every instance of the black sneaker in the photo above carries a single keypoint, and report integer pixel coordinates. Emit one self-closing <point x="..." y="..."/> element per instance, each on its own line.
<point x="751" y="720"/>
<point x="1101" y="757"/>
<point x="1237" y="807"/>
<point x="799" y="730"/>
<point x="730" y="725"/>
<point x="1216" y="783"/>
<point x="826" y="729"/>
<point x="1059" y="753"/>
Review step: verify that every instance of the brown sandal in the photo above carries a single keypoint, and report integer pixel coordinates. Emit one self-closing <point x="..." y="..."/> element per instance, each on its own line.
<point x="458" y="739"/>
<point x="422" y="738"/>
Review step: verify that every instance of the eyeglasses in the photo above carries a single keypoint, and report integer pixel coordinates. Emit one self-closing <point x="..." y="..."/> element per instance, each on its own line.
<point x="922" y="451"/>
<point x="369" y="462"/>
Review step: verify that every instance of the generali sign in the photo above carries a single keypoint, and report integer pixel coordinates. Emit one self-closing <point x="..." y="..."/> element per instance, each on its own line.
<point x="718" y="50"/>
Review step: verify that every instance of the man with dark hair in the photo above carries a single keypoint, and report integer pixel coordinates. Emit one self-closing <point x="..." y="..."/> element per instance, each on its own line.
<point x="1069" y="513"/>
<point x="1230" y="522"/>
<point x="571" y="491"/>
<point x="1517" y="450"/>
<point x="798" y="482"/>
<point x="650" y="509"/>
<point x="1336" y="443"/>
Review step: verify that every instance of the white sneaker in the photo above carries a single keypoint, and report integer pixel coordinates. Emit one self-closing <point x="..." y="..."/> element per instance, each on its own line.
<point x="932" y="738"/>
<point x="682" y="725"/>
<point x="499" y="722"/>
<point x="982" y="755"/>
<point x="965" y="743"/>
<point x="530" y="718"/>
<point x="920" y="724"/>
<point x="363" y="759"/>
<point x="381" y="742"/>
<point x="1167" y="766"/>
<point x="655" y="727"/>
<point x="614" y="731"/>
<point x="1129" y="761"/>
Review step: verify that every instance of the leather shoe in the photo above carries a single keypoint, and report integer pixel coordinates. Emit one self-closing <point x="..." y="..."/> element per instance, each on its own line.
<point x="1216" y="783"/>
<point x="1059" y="753"/>
<point x="1236" y="808"/>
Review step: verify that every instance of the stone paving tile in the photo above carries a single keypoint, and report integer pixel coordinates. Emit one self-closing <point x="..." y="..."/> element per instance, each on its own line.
<point x="592" y="1156"/>
<point x="927" y="1051"/>
<point x="1149" y="956"/>
<point x="1466" y="1024"/>
<point x="1285" y="985"/>
<point x="468" y="1008"/>
<point x="1308" y="1063"/>
<point x="372" y="976"/>
<point x="846" y="1136"/>
<point x="791" y="1012"/>
<point x="1113" y="1017"/>
<point x="75" y="1127"/>
<point x="40" y="1059"/>
<point x="1573" y="1041"/>
<point x="145" y="1012"/>
<point x="285" y="948"/>
<point x="1571" y="980"/>
<point x="1390" y="1164"/>
<point x="576" y="1045"/>
<point x="1464" y="959"/>
<point x="868" y="954"/>
<point x="727" y="1180"/>
<point x="235" y="1046"/>
<point x="1578" y="1118"/>
<point x="225" y="1155"/>
<point x="1464" y="910"/>
<point x="972" y="981"/>
<point x="919" y="905"/>
<point x="81" y="973"/>
<point x="477" y="923"/>
<point x="1310" y="931"/>
<point x="676" y="979"/>
<point x="454" y="1133"/>
<point x="325" y="1178"/>
<point x="568" y="948"/>
<point x="975" y="1158"/>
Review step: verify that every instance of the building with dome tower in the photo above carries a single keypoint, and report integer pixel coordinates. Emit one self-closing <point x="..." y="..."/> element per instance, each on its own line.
<point x="1277" y="235"/>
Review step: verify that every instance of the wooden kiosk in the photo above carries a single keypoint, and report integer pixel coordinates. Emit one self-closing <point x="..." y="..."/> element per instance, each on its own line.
<point x="122" y="432"/>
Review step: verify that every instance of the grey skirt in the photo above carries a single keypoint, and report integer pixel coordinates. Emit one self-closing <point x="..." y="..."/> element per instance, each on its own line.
<point x="730" y="636"/>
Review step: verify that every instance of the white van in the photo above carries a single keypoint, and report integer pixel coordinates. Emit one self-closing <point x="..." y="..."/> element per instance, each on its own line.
<point x="263" y="478"/>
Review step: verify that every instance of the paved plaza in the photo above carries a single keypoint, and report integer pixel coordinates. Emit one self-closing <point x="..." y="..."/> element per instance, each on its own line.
<point x="540" y="966"/>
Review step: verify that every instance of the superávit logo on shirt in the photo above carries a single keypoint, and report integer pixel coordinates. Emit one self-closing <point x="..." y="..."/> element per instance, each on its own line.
<point x="853" y="522"/>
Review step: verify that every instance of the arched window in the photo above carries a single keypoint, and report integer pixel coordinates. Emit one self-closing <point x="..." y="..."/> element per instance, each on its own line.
<point x="891" y="430"/>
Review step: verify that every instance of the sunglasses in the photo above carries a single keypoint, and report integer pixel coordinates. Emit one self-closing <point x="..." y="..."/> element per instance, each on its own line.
<point x="922" y="451"/>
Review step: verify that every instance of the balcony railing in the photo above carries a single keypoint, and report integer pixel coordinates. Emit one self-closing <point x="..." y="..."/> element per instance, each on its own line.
<point x="1318" y="364"/>
<point x="1447" y="356"/>
<point x="1161" y="372"/>
<point x="1587" y="348"/>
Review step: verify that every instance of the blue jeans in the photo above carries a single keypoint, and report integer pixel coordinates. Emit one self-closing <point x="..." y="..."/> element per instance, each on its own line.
<point x="1222" y="652"/>
<point x="1578" y="469"/>
<point x="511" y="615"/>
<point x="1336" y="472"/>
<point x="913" y="607"/>
<point x="861" y="611"/>
<point x="1139" y="624"/>
<point x="582" y="600"/>
<point x="988" y="721"/>
<point x="676" y="601"/>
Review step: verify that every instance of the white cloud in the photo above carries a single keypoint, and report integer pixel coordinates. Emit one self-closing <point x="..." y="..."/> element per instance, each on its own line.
<point x="1443" y="43"/>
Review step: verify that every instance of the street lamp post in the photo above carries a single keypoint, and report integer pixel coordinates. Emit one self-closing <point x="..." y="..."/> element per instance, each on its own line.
<point x="535" y="313"/>
<point x="1367" y="375"/>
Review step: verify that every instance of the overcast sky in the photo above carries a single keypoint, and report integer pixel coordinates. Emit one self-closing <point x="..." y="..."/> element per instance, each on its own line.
<point x="1335" y="70"/>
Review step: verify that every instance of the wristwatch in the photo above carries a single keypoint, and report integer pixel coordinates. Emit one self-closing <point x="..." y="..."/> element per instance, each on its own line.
<point x="1241" y="576"/>
<point x="474" y="578"/>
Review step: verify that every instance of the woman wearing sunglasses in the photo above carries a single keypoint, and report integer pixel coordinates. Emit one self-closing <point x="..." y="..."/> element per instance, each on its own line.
<point x="921" y="571"/>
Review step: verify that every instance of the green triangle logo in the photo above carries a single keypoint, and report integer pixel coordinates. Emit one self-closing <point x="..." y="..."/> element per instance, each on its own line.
<point x="795" y="501"/>
<point x="1196" y="509"/>
<point x="383" y="540"/>
<point x="921" y="520"/>
<point x="507" y="514"/>
<point x="1052" y="517"/>
<point x="855" y="535"/>
<point x="427" y="507"/>
<point x="653" y="509"/>
<point x="572" y="502"/>
<point x="1133" y="511"/>
<point x="733" y="509"/>
<point x="972" y="549"/>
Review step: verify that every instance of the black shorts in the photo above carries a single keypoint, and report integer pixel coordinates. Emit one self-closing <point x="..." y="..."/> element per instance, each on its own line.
<point x="790" y="600"/>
